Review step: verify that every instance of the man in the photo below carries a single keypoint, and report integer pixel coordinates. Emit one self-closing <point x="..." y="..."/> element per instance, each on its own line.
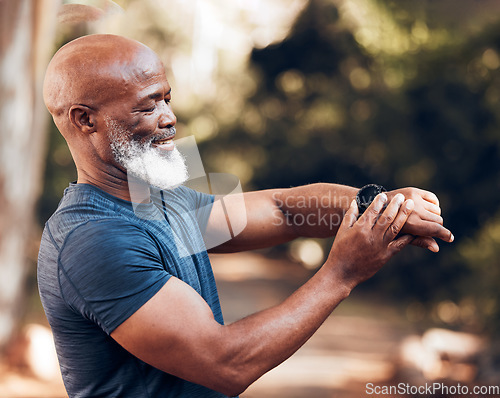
<point x="131" y="316"/>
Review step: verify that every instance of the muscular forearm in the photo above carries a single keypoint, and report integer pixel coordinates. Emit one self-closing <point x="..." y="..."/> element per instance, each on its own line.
<point x="276" y="216"/>
<point x="314" y="210"/>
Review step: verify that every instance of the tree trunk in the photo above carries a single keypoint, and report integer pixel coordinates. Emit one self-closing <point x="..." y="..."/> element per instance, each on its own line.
<point x="26" y="41"/>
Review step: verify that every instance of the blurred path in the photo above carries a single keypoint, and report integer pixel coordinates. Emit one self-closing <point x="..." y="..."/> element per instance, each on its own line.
<point x="355" y="346"/>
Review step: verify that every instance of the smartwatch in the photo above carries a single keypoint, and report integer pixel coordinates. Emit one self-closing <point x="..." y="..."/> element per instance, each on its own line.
<point x="366" y="195"/>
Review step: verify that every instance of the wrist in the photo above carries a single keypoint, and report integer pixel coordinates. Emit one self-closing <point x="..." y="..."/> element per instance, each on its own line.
<point x="340" y="282"/>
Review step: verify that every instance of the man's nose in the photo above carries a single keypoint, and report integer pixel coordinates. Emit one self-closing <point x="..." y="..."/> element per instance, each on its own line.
<point x="167" y="117"/>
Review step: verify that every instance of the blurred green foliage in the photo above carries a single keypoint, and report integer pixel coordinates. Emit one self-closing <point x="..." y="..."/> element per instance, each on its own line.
<point x="422" y="114"/>
<point x="401" y="93"/>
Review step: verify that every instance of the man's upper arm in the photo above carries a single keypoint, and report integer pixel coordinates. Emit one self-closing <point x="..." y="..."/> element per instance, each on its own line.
<point x="175" y="331"/>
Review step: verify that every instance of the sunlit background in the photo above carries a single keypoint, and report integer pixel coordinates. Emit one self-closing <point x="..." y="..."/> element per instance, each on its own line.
<point x="282" y="93"/>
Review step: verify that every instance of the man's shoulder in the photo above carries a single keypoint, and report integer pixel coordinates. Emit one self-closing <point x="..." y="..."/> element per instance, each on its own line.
<point x="107" y="234"/>
<point x="82" y="205"/>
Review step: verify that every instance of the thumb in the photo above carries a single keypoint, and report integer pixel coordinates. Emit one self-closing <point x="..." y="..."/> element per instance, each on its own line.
<point x="350" y="216"/>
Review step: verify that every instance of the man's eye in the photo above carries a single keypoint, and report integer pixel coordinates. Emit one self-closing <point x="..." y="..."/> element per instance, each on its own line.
<point x="149" y="109"/>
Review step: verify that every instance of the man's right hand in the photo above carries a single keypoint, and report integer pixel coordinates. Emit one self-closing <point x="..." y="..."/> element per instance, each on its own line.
<point x="364" y="245"/>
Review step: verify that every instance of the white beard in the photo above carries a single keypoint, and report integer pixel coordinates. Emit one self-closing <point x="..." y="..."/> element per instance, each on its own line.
<point x="162" y="169"/>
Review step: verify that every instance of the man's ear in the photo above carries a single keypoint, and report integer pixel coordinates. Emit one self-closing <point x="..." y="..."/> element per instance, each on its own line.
<point x="83" y="118"/>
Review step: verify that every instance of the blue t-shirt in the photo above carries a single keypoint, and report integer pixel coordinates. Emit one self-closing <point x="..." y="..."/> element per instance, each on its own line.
<point x="100" y="260"/>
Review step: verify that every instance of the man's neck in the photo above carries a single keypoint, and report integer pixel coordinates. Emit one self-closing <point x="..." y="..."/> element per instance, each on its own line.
<point x="129" y="188"/>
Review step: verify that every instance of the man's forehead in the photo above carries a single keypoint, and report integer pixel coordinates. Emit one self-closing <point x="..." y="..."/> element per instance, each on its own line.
<point x="154" y="91"/>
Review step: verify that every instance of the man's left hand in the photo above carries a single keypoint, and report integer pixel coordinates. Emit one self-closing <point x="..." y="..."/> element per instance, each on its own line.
<point x="425" y="222"/>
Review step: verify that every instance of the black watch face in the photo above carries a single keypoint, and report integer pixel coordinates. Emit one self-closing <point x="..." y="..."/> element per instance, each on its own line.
<point x="366" y="195"/>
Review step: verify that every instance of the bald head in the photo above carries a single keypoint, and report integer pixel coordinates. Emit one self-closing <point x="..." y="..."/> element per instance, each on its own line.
<point x="92" y="70"/>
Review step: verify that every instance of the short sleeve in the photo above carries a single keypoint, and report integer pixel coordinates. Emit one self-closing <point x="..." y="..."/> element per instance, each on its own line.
<point x="203" y="207"/>
<point x="108" y="269"/>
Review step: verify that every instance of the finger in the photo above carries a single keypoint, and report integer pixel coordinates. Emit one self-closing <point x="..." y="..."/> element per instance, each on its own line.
<point x="371" y="214"/>
<point x="430" y="197"/>
<point x="432" y="217"/>
<point x="400" y="220"/>
<point x="398" y="244"/>
<point x="435" y="230"/>
<point x="350" y="216"/>
<point x="426" y="242"/>
<point x="432" y="207"/>
<point x="387" y="217"/>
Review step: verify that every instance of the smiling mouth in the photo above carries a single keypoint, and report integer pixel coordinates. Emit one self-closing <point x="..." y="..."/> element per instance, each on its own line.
<point x="166" y="143"/>
<point x="163" y="141"/>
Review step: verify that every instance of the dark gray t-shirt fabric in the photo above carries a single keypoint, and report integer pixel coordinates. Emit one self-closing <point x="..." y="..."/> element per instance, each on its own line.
<point x="100" y="260"/>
